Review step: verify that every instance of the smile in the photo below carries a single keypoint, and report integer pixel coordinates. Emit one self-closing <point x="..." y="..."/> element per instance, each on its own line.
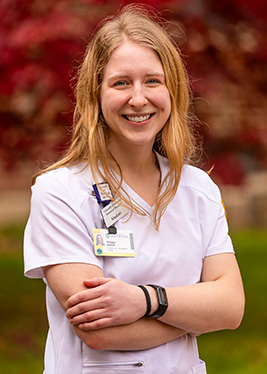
<point x="138" y="118"/>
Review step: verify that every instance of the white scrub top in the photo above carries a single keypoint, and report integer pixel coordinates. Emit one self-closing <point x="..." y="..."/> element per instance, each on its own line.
<point x="59" y="230"/>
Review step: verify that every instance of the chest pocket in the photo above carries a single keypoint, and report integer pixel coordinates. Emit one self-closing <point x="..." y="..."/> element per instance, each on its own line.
<point x="98" y="367"/>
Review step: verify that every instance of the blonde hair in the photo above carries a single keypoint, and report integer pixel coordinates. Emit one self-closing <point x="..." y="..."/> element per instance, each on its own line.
<point x="90" y="136"/>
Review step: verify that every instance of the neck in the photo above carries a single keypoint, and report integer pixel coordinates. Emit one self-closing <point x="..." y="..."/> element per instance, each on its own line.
<point x="137" y="161"/>
<point x="140" y="170"/>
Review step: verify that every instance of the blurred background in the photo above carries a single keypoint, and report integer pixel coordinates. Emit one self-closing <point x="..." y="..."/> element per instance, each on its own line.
<point x="224" y="47"/>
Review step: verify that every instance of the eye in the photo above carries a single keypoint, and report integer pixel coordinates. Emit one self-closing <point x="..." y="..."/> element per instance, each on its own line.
<point x="153" y="81"/>
<point x="120" y="84"/>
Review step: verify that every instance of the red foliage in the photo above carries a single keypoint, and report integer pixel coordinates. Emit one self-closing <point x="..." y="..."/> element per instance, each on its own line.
<point x="41" y="42"/>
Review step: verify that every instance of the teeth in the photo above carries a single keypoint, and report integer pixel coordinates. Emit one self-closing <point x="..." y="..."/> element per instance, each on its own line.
<point x="138" y="119"/>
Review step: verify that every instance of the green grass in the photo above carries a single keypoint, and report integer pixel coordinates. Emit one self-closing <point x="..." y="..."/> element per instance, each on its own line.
<point x="245" y="349"/>
<point x="23" y="320"/>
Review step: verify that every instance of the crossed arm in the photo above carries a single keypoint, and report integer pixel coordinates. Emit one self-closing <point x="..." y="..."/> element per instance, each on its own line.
<point x="66" y="280"/>
<point x="107" y="313"/>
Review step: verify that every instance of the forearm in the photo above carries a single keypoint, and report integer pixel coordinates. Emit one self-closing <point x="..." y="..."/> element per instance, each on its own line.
<point x="214" y="304"/>
<point x="65" y="280"/>
<point x="203" y="307"/>
<point x="143" y="334"/>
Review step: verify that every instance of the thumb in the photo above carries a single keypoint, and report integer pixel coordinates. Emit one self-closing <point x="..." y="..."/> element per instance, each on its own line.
<point x="95" y="281"/>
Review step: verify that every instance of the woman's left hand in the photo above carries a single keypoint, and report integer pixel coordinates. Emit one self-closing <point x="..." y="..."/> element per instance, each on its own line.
<point x="107" y="302"/>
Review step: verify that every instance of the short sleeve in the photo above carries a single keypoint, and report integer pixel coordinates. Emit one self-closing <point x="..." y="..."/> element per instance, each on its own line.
<point x="215" y="227"/>
<point x="57" y="231"/>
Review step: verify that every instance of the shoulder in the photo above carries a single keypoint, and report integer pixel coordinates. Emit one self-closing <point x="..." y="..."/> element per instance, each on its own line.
<point x="195" y="179"/>
<point x="74" y="182"/>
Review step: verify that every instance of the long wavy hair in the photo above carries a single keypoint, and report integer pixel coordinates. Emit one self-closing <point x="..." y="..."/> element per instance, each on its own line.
<point x="90" y="136"/>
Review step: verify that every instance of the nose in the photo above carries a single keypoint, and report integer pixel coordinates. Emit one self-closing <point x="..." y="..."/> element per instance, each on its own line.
<point x="138" y="97"/>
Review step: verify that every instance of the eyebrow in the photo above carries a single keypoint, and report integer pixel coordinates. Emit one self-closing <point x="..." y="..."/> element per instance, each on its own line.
<point x="127" y="76"/>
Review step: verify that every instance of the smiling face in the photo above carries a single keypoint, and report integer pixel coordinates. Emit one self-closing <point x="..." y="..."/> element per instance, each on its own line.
<point x="134" y="98"/>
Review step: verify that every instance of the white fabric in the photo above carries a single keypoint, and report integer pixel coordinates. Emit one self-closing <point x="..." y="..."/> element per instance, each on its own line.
<point x="59" y="230"/>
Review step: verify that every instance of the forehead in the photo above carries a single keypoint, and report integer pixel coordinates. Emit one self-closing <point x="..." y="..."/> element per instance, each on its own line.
<point x="132" y="57"/>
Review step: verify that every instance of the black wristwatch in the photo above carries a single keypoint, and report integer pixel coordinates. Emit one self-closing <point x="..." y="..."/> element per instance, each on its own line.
<point x="162" y="299"/>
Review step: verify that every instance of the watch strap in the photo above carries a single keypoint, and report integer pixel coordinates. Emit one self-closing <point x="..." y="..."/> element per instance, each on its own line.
<point x="148" y="300"/>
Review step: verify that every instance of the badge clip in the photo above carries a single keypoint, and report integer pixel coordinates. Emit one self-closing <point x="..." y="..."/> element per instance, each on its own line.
<point x="112" y="211"/>
<point x="112" y="230"/>
<point x="102" y="193"/>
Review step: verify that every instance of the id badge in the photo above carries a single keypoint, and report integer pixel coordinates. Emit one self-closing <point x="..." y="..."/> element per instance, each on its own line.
<point x="116" y="245"/>
<point x="113" y="212"/>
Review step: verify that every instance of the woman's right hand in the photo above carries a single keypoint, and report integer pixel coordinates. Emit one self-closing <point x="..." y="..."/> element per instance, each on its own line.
<point x="107" y="302"/>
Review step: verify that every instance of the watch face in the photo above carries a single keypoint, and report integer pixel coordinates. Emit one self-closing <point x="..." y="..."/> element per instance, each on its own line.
<point x="162" y="296"/>
<point x="162" y="299"/>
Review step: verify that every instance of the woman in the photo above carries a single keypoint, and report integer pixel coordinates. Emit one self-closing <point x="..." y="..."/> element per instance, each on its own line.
<point x="127" y="175"/>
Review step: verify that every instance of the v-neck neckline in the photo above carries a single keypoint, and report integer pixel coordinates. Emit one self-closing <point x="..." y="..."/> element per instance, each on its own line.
<point x="136" y="197"/>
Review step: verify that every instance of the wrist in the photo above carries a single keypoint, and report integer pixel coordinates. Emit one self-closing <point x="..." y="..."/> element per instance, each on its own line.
<point x="156" y="300"/>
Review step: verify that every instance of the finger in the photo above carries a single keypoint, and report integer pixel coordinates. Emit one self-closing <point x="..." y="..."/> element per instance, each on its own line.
<point x="86" y="317"/>
<point x="77" y="310"/>
<point x="95" y="281"/>
<point x="96" y="324"/>
<point x="83" y="296"/>
<point x="90" y="316"/>
<point x="81" y="308"/>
